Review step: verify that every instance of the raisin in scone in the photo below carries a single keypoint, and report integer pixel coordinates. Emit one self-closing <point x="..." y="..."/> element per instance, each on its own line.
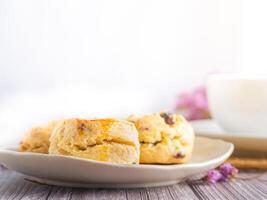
<point x="164" y="138"/>
<point x="107" y="140"/>
<point x="37" y="139"/>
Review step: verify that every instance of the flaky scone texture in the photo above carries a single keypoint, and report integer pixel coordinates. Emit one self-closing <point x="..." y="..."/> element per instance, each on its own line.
<point x="37" y="139"/>
<point x="164" y="138"/>
<point x="108" y="140"/>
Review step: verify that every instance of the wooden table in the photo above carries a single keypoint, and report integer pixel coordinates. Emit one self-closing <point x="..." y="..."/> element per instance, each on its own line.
<point x="15" y="186"/>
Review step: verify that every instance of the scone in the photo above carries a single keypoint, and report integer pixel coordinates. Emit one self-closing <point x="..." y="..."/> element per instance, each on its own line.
<point x="164" y="138"/>
<point x="108" y="140"/>
<point x="37" y="139"/>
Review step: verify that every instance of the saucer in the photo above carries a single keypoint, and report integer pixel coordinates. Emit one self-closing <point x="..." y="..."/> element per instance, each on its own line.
<point x="243" y="143"/>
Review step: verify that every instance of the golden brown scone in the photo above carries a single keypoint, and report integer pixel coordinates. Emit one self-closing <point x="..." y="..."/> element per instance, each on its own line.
<point x="108" y="140"/>
<point x="37" y="139"/>
<point x="164" y="138"/>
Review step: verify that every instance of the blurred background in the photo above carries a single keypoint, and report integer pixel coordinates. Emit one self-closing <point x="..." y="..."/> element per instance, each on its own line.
<point x="77" y="58"/>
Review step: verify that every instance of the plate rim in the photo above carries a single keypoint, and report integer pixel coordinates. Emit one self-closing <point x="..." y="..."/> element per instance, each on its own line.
<point x="224" y="156"/>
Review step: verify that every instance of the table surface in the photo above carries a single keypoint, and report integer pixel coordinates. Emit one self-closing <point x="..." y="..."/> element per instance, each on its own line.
<point x="16" y="186"/>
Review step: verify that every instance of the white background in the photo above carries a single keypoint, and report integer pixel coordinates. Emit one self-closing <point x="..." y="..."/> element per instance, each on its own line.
<point x="144" y="44"/>
<point x="62" y="55"/>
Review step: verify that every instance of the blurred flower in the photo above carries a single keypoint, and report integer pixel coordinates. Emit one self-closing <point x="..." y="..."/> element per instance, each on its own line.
<point x="214" y="176"/>
<point x="193" y="105"/>
<point x="224" y="172"/>
<point x="228" y="170"/>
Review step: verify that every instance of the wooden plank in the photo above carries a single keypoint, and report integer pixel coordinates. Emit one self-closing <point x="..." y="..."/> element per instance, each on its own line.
<point x="252" y="187"/>
<point x="182" y="191"/>
<point x="38" y="192"/>
<point x="151" y="194"/>
<point x="238" y="189"/>
<point x="163" y="193"/>
<point x="143" y="193"/>
<point x="110" y="194"/>
<point x="14" y="186"/>
<point x="17" y="188"/>
<point x="59" y="193"/>
<point x="134" y="194"/>
<point x="83" y="194"/>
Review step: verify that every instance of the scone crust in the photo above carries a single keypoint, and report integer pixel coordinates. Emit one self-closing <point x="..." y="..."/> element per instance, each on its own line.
<point x="108" y="140"/>
<point x="37" y="139"/>
<point x="164" y="138"/>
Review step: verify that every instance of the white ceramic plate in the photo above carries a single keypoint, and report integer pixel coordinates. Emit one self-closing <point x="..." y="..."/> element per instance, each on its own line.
<point x="77" y="172"/>
<point x="247" y="144"/>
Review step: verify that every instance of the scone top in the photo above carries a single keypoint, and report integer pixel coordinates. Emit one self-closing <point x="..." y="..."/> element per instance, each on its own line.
<point x="157" y="126"/>
<point x="85" y="133"/>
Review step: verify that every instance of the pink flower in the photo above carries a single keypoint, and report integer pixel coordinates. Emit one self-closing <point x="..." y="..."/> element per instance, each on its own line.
<point x="228" y="170"/>
<point x="214" y="176"/>
<point x="200" y="98"/>
<point x="193" y="105"/>
<point x="185" y="100"/>
<point x="224" y="172"/>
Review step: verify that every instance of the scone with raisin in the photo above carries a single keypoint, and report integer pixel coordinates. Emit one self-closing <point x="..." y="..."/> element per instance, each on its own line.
<point x="37" y="139"/>
<point x="108" y="140"/>
<point x="164" y="138"/>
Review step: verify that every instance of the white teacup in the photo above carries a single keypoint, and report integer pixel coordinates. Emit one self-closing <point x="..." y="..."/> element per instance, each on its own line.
<point x="239" y="103"/>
